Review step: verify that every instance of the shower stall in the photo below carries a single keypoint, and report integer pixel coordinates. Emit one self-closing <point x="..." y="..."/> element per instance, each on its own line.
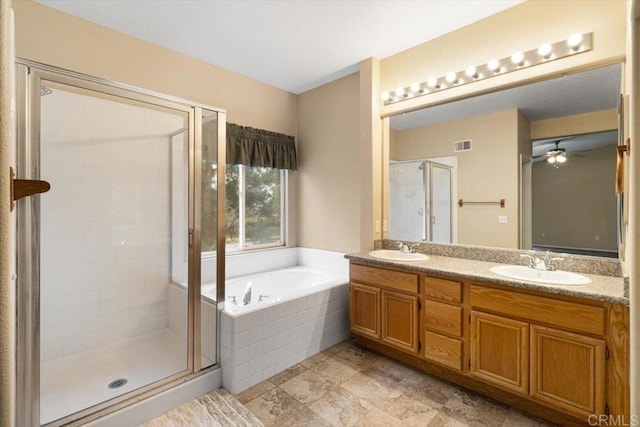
<point x="134" y="186"/>
<point x="421" y="195"/>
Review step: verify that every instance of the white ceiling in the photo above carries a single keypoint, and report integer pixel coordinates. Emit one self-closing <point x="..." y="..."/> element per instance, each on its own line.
<point x="592" y="90"/>
<point x="293" y="45"/>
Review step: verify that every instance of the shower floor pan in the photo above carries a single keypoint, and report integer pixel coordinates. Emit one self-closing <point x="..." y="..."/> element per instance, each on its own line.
<point x="72" y="383"/>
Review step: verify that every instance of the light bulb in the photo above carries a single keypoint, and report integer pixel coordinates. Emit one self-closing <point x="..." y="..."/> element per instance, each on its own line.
<point x="517" y="58"/>
<point x="561" y="158"/>
<point x="415" y="87"/>
<point x="471" y="71"/>
<point x="493" y="65"/>
<point x="433" y="83"/>
<point x="551" y="160"/>
<point x="574" y="41"/>
<point x="544" y="50"/>
<point x="385" y="96"/>
<point x="451" y="77"/>
<point x="399" y="91"/>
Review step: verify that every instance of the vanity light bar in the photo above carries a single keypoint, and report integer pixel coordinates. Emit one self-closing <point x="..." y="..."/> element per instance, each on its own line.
<point x="546" y="52"/>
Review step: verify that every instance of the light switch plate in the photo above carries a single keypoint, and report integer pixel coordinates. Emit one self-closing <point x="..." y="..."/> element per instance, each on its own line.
<point x="502" y="219"/>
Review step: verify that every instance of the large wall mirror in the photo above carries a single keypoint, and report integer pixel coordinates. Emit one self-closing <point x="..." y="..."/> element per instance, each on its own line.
<point x="532" y="167"/>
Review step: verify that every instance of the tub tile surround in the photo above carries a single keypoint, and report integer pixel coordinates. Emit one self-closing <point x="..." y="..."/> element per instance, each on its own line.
<point x="607" y="283"/>
<point x="259" y="344"/>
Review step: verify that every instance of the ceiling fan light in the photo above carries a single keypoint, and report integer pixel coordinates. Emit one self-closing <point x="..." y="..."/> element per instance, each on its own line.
<point x="551" y="160"/>
<point x="561" y="158"/>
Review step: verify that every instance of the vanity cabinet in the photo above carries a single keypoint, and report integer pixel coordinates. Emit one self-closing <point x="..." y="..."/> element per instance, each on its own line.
<point x="552" y="351"/>
<point x="500" y="351"/>
<point x="364" y="310"/>
<point x="561" y="357"/>
<point x="443" y="322"/>
<point x="400" y="321"/>
<point x="385" y="306"/>
<point x="568" y="370"/>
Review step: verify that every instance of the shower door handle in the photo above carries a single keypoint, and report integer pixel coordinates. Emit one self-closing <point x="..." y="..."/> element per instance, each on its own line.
<point x="25" y="187"/>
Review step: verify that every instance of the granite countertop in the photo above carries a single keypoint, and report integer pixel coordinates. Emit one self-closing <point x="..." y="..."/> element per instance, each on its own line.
<point x="601" y="288"/>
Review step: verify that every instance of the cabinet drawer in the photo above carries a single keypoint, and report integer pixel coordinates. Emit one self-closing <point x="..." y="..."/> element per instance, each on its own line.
<point x="443" y="350"/>
<point x="442" y="289"/>
<point x="406" y="282"/>
<point x="577" y="317"/>
<point x="444" y="318"/>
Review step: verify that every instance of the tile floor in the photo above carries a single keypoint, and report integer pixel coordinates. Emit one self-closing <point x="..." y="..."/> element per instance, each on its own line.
<point x="347" y="385"/>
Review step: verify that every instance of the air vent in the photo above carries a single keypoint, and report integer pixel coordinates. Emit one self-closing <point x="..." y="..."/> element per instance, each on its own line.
<point x="462" y="145"/>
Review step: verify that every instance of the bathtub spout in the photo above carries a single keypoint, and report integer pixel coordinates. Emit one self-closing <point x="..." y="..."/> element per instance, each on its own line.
<point x="247" y="295"/>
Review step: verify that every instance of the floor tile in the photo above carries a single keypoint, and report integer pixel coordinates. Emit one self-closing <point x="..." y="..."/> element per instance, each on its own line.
<point x="475" y="410"/>
<point x="255" y="391"/>
<point x="273" y="405"/>
<point x="306" y="387"/>
<point x="376" y="390"/>
<point x="287" y="374"/>
<point x="377" y="418"/>
<point x="410" y="411"/>
<point x="315" y="360"/>
<point x="340" y="407"/>
<point x="335" y="370"/>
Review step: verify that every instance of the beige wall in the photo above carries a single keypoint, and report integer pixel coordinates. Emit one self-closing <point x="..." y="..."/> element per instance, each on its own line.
<point x="522" y="27"/>
<point x="55" y="38"/>
<point x="576" y="202"/>
<point x="596" y="121"/>
<point x="46" y="35"/>
<point x="489" y="172"/>
<point x="329" y="175"/>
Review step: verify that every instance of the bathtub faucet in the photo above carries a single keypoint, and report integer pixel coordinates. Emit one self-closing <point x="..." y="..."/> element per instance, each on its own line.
<point x="247" y="295"/>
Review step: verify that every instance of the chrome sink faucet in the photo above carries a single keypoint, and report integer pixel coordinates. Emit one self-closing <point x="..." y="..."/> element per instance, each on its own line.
<point x="407" y="248"/>
<point x="541" y="263"/>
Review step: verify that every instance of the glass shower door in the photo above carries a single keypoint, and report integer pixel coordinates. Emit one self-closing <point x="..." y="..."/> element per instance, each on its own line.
<point x="113" y="311"/>
<point x="441" y="202"/>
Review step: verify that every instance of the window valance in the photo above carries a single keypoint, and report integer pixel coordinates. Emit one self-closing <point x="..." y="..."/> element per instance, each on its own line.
<point x="256" y="147"/>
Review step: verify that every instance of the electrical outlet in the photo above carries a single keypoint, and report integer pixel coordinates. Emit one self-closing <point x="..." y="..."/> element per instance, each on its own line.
<point x="597" y="237"/>
<point x="377" y="226"/>
<point x="385" y="225"/>
<point x="544" y="234"/>
<point x="502" y="219"/>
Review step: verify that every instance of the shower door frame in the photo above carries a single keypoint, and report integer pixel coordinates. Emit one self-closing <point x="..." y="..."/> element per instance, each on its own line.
<point x="427" y="176"/>
<point x="28" y="77"/>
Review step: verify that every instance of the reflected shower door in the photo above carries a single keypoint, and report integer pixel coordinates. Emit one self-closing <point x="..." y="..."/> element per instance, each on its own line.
<point x="113" y="309"/>
<point x="441" y="203"/>
<point x="407" y="197"/>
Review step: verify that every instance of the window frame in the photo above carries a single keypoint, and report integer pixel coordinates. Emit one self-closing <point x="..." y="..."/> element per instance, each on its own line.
<point x="242" y="247"/>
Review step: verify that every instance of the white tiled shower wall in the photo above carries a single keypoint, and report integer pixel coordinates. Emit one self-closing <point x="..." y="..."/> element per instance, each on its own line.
<point x="105" y="223"/>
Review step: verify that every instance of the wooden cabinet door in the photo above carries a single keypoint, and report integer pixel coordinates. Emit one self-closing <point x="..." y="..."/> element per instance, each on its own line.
<point x="364" y="310"/>
<point x="568" y="371"/>
<point x="400" y="321"/>
<point x="500" y="351"/>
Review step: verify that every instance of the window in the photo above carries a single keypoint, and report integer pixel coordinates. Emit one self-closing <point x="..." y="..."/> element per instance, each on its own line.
<point x="254" y="207"/>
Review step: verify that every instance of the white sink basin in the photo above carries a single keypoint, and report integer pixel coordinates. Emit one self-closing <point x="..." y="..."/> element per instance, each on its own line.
<point x="390" y="255"/>
<point x="521" y="272"/>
